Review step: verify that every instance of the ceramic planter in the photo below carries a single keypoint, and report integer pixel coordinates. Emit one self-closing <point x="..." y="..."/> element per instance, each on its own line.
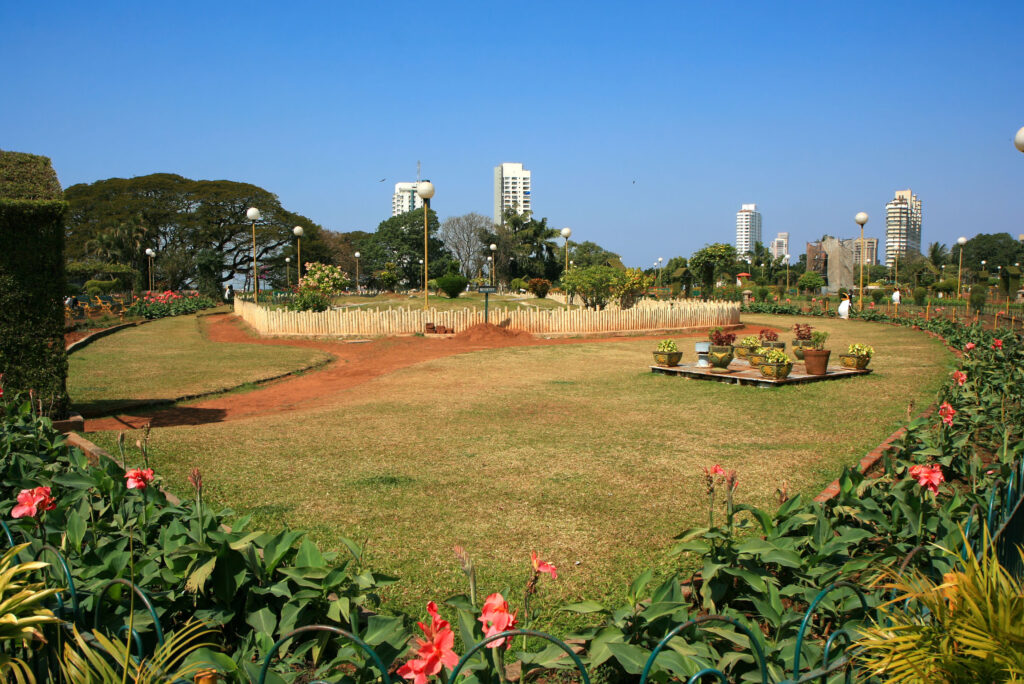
<point x="702" y="349"/>
<point x="853" y="361"/>
<point x="720" y="357"/>
<point x="816" y="360"/>
<point x="775" y="371"/>
<point x="798" y="348"/>
<point x="755" y="358"/>
<point x="774" y="345"/>
<point x="742" y="352"/>
<point x="667" y="358"/>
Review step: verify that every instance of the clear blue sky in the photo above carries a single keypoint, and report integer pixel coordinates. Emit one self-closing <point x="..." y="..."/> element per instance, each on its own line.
<point x="812" y="110"/>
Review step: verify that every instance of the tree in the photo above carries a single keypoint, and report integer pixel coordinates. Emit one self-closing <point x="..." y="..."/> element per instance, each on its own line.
<point x="399" y="241"/>
<point x="593" y="284"/>
<point x="462" y="237"/>
<point x="938" y="254"/>
<point x="526" y="248"/>
<point x="810" y="281"/>
<point x="998" y="249"/>
<point x="709" y="262"/>
<point x="630" y="284"/>
<point x="584" y="254"/>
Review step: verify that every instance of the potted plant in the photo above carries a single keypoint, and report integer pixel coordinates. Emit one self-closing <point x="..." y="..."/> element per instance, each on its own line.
<point x="776" y="364"/>
<point x="747" y="345"/>
<point x="756" y="356"/>
<point x="816" y="356"/>
<point x="720" y="353"/>
<point x="858" y="356"/>
<point x="667" y="354"/>
<point x="803" y="338"/>
<point x="770" y="339"/>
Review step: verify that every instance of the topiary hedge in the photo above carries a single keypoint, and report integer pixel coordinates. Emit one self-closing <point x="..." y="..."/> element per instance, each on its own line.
<point x="32" y="281"/>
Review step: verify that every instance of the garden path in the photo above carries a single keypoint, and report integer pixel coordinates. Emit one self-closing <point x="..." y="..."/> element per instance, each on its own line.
<point x="353" y="364"/>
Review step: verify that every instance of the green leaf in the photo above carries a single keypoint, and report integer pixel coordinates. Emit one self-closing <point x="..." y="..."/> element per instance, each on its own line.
<point x="632" y="658"/>
<point x="382" y="629"/>
<point x="309" y="555"/>
<point x="76" y="527"/>
<point x="640" y="583"/>
<point x="754" y="580"/>
<point x="263" y="621"/>
<point x="583" y="607"/>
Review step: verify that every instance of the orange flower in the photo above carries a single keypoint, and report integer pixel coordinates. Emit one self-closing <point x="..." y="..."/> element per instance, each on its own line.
<point x="947" y="412"/>
<point x="139" y="478"/>
<point x="960" y="378"/>
<point x="540" y="566"/>
<point x="496" y="618"/>
<point x="433" y="652"/>
<point x="32" y="501"/>
<point x="929" y="477"/>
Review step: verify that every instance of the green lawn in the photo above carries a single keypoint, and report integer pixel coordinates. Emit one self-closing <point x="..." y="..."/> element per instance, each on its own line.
<point x="167" y="359"/>
<point x="576" y="451"/>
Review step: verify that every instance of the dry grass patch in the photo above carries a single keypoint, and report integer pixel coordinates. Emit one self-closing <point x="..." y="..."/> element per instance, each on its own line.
<point x="577" y="451"/>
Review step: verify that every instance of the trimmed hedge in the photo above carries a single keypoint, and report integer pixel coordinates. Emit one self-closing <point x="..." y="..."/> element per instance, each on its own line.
<point x="32" y="282"/>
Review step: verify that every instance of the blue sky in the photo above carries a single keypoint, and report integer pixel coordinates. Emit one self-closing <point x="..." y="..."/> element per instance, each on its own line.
<point x="812" y="110"/>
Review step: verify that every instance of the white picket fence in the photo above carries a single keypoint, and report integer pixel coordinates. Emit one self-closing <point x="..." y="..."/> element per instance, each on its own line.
<point x="364" y="322"/>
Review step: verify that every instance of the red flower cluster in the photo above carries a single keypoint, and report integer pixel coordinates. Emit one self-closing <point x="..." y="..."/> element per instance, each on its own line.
<point x="496" y="619"/>
<point x="960" y="377"/>
<point x="433" y="652"/>
<point x="168" y="296"/>
<point x="929" y="477"/>
<point x="997" y="344"/>
<point x="947" y="412"/>
<point x="969" y="346"/>
<point x="32" y="501"/>
<point x="139" y="478"/>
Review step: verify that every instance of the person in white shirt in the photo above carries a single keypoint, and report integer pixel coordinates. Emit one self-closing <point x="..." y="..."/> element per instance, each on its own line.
<point x="896" y="296"/>
<point x="844" y="306"/>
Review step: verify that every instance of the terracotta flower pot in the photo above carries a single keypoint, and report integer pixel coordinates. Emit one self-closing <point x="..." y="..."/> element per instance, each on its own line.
<point x="816" y="361"/>
<point x="775" y="371"/>
<point x="667" y="358"/>
<point x="853" y="361"/>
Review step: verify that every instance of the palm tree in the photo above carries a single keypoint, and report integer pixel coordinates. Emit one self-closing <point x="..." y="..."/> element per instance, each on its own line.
<point x="938" y="254"/>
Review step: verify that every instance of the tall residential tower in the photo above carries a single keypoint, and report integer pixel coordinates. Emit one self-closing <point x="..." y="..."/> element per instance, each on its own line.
<point x="748" y="228"/>
<point x="780" y="245"/>
<point x="511" y="189"/>
<point x="405" y="199"/>
<point x="902" y="226"/>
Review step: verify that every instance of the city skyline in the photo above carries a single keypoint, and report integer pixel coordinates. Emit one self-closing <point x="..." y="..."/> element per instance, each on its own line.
<point x="654" y="165"/>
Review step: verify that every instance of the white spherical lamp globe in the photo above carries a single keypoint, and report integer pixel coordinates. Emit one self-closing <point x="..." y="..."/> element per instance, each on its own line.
<point x="150" y="252"/>
<point x="861" y="218"/>
<point x="494" y="247"/>
<point x="961" y="241"/>
<point x="425" y="190"/>
<point x="297" y="231"/>
<point x="252" y="213"/>
<point x="566" y="232"/>
<point x="357" y="255"/>
<point x="1018" y="140"/>
<point x="287" y="260"/>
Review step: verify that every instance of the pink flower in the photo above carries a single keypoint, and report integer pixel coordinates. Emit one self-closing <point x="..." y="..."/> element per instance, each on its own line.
<point x="540" y="566"/>
<point x="928" y="477"/>
<point x="139" y="478"/>
<point x="997" y="344"/>
<point x="32" y="501"/>
<point x="715" y="470"/>
<point x="496" y="618"/>
<point x="969" y="346"/>
<point x="960" y="377"/>
<point x="433" y="652"/>
<point x="947" y="412"/>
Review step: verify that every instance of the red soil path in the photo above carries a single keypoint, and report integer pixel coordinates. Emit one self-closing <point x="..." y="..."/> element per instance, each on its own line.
<point x="353" y="364"/>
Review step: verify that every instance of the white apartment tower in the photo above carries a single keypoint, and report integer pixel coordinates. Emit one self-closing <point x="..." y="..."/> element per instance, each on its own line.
<point x="902" y="226"/>
<point x="405" y="199"/>
<point x="511" y="190"/>
<point x="748" y="228"/>
<point x="780" y="245"/>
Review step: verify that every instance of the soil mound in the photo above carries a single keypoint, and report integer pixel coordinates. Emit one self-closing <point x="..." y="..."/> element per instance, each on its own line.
<point x="488" y="332"/>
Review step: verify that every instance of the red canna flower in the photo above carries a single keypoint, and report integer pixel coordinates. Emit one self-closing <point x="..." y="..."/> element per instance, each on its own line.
<point x="969" y="346"/>
<point x="540" y="566"/>
<point x="496" y="618"/>
<point x="947" y="412"/>
<point x="960" y="378"/>
<point x="32" y="501"/>
<point x="997" y="344"/>
<point x="433" y="652"/>
<point x="139" y="478"/>
<point x="929" y="477"/>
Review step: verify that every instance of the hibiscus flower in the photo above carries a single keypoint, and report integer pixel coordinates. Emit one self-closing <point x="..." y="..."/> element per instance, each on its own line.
<point x="432" y="653"/>
<point x="139" y="478"/>
<point x="928" y="477"/>
<point x="496" y="618"/>
<point x="32" y="501"/>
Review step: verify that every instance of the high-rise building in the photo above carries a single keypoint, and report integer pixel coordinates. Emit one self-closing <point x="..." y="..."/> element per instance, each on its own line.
<point x="870" y="255"/>
<point x="748" y="228"/>
<point x="780" y="245"/>
<point x="511" y="189"/>
<point x="902" y="226"/>
<point x="405" y="199"/>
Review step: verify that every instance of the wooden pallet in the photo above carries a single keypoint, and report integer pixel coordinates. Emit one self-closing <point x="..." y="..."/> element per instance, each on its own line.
<point x="741" y="373"/>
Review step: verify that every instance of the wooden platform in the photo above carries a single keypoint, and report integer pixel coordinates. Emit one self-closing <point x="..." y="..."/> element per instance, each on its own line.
<point x="740" y="373"/>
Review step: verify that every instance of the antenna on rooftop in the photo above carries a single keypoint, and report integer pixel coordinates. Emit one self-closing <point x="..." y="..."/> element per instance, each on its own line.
<point x="417" y="172"/>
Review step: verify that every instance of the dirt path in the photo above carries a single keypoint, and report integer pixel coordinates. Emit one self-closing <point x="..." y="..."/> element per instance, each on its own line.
<point x="353" y="364"/>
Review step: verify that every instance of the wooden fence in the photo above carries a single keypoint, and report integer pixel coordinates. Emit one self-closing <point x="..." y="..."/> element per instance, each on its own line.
<point x="376" y="322"/>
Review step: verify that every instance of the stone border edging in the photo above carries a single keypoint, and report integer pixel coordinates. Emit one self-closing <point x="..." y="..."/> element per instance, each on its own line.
<point x="89" y="339"/>
<point x="871" y="460"/>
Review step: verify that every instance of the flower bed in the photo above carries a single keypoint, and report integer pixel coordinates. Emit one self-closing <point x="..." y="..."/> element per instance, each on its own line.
<point x="169" y="303"/>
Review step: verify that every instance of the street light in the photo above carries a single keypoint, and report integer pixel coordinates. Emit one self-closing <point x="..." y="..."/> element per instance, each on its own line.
<point x="297" y="232"/>
<point x="494" y="262"/>
<point x="861" y="218"/>
<point x="787" y="275"/>
<point x="150" y="253"/>
<point x="660" y="259"/>
<point x="1018" y="140"/>
<point x="253" y="214"/>
<point x="566" y="232"/>
<point x="287" y="271"/>
<point x="423" y="272"/>
<point x="490" y="268"/>
<point x="425" y="190"/>
<point x="960" y="269"/>
<point x="357" y="272"/>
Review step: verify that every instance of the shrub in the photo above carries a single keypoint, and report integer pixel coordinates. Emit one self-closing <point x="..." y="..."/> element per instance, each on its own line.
<point x="802" y="332"/>
<point x="593" y="284"/>
<point x="452" y="284"/>
<point x="768" y="335"/>
<point x="719" y="338"/>
<point x="761" y="293"/>
<point x="810" y="281"/>
<point x="94" y="288"/>
<point x="946" y="286"/>
<point x="324" y="278"/>
<point x="818" y="339"/>
<point x="877" y="296"/>
<point x="630" y="285"/>
<point x="858" y="349"/>
<point x="309" y="300"/>
<point x="774" y="355"/>
<point x="667" y="346"/>
<point x="750" y="342"/>
<point x="516" y="284"/>
<point x="920" y="296"/>
<point x="539" y="287"/>
<point x="979" y="293"/>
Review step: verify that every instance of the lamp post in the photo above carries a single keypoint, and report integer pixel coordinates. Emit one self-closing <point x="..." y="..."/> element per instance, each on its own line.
<point x="287" y="271"/>
<point x="297" y="232"/>
<point x="253" y="214"/>
<point x="960" y="269"/>
<point x="425" y="190"/>
<point x="357" y="272"/>
<point x="660" y="259"/>
<point x="861" y="218"/>
<point x="566" y="232"/>
<point x="150" y="253"/>
<point x="423" y="272"/>
<point x="493" y="262"/>
<point x="1018" y="140"/>
<point x="787" y="275"/>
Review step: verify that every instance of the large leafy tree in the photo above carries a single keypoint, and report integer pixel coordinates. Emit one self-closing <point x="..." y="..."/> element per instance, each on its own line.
<point x="399" y="241"/>
<point x="996" y="249"/>
<point x="712" y="261"/>
<point x="181" y="218"/>
<point x="584" y="254"/>
<point x="527" y="248"/>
